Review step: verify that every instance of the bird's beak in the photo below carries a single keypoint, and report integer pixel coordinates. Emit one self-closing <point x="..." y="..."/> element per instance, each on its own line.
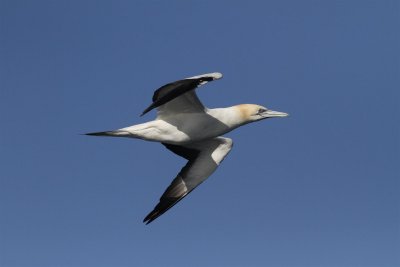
<point x="273" y="114"/>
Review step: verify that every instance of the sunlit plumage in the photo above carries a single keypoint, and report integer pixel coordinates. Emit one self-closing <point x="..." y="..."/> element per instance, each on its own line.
<point x="189" y="129"/>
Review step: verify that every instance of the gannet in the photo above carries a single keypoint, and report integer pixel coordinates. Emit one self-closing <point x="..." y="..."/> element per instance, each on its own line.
<point x="189" y="129"/>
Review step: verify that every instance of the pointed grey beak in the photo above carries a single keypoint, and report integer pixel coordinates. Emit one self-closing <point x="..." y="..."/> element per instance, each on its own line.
<point x="273" y="114"/>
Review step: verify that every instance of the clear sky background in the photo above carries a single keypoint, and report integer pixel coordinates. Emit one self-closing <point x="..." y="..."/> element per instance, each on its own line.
<point x="320" y="188"/>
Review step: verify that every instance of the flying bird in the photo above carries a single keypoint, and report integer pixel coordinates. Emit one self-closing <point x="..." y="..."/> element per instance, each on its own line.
<point x="189" y="129"/>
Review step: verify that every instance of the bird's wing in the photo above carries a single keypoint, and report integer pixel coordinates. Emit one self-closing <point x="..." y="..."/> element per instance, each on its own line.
<point x="203" y="159"/>
<point x="180" y="96"/>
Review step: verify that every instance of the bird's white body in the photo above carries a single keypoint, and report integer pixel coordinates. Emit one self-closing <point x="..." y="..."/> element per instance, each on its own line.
<point x="187" y="128"/>
<point x="190" y="130"/>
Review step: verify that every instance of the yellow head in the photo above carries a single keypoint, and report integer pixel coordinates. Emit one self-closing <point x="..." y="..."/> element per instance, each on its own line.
<point x="251" y="113"/>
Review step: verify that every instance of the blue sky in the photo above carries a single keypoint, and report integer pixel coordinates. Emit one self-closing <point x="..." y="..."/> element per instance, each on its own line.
<point x="320" y="188"/>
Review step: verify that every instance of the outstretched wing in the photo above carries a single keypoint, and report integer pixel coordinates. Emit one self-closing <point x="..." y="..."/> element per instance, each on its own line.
<point x="179" y="96"/>
<point x="203" y="159"/>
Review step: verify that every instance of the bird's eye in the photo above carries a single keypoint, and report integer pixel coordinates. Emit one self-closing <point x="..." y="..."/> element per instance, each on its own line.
<point x="261" y="110"/>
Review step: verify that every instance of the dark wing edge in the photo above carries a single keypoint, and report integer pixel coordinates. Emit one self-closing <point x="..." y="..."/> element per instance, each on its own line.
<point x="175" y="89"/>
<point x="166" y="201"/>
<point x="177" y="190"/>
<point x="203" y="159"/>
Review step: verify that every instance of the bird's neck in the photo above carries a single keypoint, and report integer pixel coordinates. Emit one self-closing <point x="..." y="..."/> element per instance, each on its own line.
<point x="230" y="116"/>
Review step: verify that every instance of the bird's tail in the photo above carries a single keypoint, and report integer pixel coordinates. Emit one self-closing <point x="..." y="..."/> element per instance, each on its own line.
<point x="110" y="133"/>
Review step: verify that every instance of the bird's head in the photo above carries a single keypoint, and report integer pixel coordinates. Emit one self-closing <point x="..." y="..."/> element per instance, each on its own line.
<point x="251" y="113"/>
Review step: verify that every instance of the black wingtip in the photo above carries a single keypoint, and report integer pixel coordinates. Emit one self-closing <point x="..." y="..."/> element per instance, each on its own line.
<point x="152" y="216"/>
<point x="147" y="109"/>
<point x="146" y="222"/>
